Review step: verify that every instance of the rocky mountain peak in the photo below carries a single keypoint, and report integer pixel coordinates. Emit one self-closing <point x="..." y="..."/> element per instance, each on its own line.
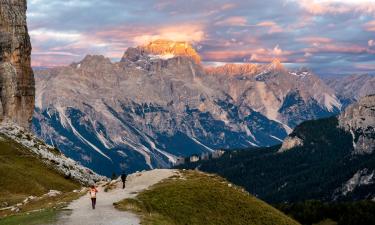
<point x="276" y="65"/>
<point x="17" y="85"/>
<point x="233" y="69"/>
<point x="167" y="49"/>
<point x="92" y="61"/>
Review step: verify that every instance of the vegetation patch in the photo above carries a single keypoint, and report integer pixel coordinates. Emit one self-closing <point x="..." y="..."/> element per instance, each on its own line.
<point x="324" y="213"/>
<point x="24" y="175"/>
<point x="34" y="218"/>
<point x="198" y="198"/>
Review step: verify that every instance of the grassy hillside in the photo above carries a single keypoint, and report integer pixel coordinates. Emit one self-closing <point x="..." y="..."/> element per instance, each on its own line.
<point x="196" y="198"/>
<point x="23" y="175"/>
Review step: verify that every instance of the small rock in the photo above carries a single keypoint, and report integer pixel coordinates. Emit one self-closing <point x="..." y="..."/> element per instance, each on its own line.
<point x="15" y="209"/>
<point x="52" y="193"/>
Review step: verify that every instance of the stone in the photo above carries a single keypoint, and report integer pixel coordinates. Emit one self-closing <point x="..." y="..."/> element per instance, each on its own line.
<point x="17" y="85"/>
<point x="53" y="193"/>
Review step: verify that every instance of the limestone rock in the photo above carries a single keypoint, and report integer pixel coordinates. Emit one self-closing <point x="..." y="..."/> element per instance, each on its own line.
<point x="17" y="86"/>
<point x="291" y="142"/>
<point x="359" y="120"/>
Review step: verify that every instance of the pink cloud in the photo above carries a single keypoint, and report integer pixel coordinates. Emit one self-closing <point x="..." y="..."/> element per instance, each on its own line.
<point x="315" y="40"/>
<point x="319" y="7"/>
<point x="233" y="21"/>
<point x="342" y="48"/>
<point x="273" y="27"/>
<point x="365" y="66"/>
<point x="370" y="26"/>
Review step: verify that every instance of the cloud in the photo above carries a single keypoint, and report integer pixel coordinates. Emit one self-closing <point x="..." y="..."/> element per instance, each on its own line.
<point x="336" y="6"/>
<point x="316" y="40"/>
<point x="327" y="35"/>
<point x="190" y="33"/>
<point x="273" y="27"/>
<point x="233" y="21"/>
<point x="370" y="26"/>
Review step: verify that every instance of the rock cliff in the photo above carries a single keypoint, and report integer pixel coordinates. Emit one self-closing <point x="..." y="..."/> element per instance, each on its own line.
<point x="17" y="86"/>
<point x="359" y="120"/>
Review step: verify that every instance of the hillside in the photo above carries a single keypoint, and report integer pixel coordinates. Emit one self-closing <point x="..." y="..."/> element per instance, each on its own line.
<point x="196" y="198"/>
<point x="35" y="176"/>
<point x="23" y="174"/>
<point x="327" y="159"/>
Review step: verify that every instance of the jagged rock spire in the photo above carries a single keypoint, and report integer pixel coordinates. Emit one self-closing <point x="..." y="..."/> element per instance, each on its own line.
<point x="17" y="86"/>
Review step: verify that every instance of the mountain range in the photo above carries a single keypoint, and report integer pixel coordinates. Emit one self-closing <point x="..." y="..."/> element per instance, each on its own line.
<point x="160" y="103"/>
<point x="329" y="159"/>
<point x="351" y="88"/>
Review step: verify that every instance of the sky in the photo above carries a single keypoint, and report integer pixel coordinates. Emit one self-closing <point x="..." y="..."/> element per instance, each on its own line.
<point x="331" y="37"/>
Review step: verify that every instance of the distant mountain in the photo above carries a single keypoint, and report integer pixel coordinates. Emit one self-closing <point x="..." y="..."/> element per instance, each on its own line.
<point x="327" y="159"/>
<point x="160" y="103"/>
<point x="289" y="97"/>
<point x="351" y="88"/>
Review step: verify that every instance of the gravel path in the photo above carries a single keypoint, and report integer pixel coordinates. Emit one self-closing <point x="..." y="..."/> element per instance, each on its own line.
<point x="80" y="212"/>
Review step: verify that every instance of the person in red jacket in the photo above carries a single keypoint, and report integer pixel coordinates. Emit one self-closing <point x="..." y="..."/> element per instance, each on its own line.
<point x="92" y="193"/>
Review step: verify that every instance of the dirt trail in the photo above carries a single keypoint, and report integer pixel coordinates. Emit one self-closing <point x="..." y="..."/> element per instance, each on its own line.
<point x="105" y="214"/>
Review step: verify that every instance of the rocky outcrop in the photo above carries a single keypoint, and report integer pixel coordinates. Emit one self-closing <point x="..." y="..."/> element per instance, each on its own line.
<point x="359" y="120"/>
<point x="17" y="89"/>
<point x="290" y="143"/>
<point x="49" y="155"/>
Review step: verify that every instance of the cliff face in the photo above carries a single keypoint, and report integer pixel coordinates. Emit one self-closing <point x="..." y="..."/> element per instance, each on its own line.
<point x="359" y="120"/>
<point x="17" y="85"/>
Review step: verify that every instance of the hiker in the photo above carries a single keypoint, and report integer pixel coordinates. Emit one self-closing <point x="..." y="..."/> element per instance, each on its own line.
<point x="93" y="192"/>
<point x="123" y="178"/>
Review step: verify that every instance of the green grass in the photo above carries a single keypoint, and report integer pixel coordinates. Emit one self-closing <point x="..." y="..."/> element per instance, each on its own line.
<point x="199" y="198"/>
<point x="23" y="174"/>
<point x="36" y="218"/>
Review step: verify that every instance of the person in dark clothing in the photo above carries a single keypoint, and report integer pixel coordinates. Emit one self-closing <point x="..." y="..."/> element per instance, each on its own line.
<point x="123" y="179"/>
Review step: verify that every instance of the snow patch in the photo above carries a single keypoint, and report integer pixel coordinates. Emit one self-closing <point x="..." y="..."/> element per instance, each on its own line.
<point x="81" y="137"/>
<point x="199" y="143"/>
<point x="274" y="137"/>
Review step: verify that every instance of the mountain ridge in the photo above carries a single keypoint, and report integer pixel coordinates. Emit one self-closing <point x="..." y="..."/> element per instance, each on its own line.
<point x="160" y="109"/>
